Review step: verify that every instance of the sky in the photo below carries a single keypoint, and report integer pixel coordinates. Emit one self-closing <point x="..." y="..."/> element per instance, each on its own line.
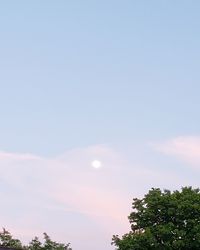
<point x="113" y="81"/>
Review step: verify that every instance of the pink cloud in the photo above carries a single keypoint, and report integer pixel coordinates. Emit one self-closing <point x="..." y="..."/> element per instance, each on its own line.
<point x="185" y="148"/>
<point x="66" y="183"/>
<point x="66" y="186"/>
<point x="5" y="156"/>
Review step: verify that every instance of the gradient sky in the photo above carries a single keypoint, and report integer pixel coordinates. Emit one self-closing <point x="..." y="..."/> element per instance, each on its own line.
<point x="116" y="81"/>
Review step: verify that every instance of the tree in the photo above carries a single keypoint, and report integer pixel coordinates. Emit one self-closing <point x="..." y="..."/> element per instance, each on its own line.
<point x="49" y="244"/>
<point x="7" y="240"/>
<point x="163" y="220"/>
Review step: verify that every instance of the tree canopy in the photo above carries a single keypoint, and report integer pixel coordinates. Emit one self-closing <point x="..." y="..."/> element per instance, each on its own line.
<point x="7" y="240"/>
<point x="163" y="220"/>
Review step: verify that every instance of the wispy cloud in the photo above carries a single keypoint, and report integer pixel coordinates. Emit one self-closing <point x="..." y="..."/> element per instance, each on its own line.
<point x="5" y="156"/>
<point x="185" y="148"/>
<point x="64" y="194"/>
<point x="67" y="185"/>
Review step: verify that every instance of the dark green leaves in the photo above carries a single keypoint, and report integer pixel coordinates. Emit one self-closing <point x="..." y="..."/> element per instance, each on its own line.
<point x="6" y="240"/>
<point x="164" y="220"/>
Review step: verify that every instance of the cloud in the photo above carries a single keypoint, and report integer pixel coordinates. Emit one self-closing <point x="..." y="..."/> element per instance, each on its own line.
<point x="69" y="199"/>
<point x="184" y="148"/>
<point x="38" y="194"/>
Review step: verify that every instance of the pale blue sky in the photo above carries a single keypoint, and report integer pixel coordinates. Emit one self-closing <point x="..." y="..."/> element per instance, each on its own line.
<point x="79" y="74"/>
<point x="75" y="73"/>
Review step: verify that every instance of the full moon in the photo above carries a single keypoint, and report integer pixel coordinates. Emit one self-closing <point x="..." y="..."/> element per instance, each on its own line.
<point x="96" y="164"/>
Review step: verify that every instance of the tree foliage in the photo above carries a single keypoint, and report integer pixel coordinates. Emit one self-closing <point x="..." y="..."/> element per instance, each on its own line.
<point x="163" y="220"/>
<point x="7" y="240"/>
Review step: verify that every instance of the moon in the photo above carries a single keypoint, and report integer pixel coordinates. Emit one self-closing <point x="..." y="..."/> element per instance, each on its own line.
<point x="96" y="164"/>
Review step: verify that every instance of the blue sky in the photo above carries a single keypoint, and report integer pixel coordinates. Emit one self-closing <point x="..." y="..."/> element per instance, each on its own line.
<point x="97" y="79"/>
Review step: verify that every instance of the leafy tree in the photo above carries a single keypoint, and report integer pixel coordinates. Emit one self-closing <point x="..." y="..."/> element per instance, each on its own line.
<point x="163" y="220"/>
<point x="6" y="240"/>
<point x="49" y="244"/>
<point x="35" y="244"/>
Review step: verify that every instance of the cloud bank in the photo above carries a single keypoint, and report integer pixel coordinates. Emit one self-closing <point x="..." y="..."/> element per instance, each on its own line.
<point x="67" y="198"/>
<point x="184" y="148"/>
